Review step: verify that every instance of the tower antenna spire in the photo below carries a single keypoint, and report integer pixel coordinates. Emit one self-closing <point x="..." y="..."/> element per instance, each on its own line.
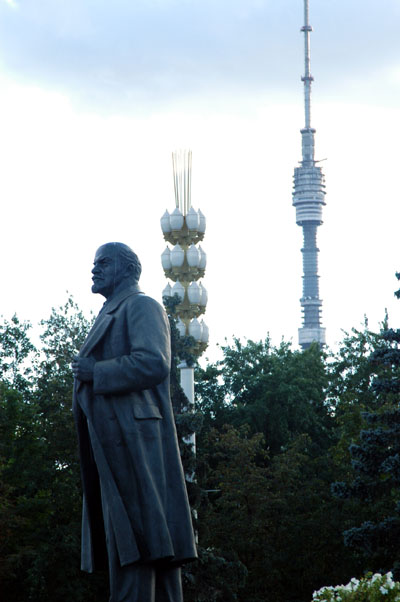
<point x="309" y="198"/>
<point x="308" y="78"/>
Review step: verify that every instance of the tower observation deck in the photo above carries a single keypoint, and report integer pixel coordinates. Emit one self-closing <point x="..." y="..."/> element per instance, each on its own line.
<point x="308" y="198"/>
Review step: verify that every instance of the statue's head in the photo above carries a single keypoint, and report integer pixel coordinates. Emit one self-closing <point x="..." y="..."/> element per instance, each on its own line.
<point x="115" y="267"/>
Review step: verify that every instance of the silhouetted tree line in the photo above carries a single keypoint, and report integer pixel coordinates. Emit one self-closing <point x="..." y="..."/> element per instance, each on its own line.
<point x="297" y="465"/>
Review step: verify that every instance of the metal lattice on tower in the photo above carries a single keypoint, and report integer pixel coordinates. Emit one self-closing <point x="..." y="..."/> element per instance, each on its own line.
<point x="308" y="198"/>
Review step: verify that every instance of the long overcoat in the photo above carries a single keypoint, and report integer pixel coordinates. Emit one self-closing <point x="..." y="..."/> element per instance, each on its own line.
<point x="127" y="438"/>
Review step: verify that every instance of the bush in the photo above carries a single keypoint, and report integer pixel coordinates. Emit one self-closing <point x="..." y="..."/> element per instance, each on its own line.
<point x="372" y="588"/>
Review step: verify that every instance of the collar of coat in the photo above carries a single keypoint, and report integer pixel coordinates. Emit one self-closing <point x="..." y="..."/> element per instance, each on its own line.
<point x="105" y="318"/>
<point x="113" y="302"/>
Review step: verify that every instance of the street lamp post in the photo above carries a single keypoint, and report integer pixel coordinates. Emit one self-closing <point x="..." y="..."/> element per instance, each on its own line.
<point x="184" y="264"/>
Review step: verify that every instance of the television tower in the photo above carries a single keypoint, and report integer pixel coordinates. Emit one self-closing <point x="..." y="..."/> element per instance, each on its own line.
<point x="308" y="198"/>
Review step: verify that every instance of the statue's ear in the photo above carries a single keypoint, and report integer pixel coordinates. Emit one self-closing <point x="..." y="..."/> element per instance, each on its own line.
<point x="130" y="270"/>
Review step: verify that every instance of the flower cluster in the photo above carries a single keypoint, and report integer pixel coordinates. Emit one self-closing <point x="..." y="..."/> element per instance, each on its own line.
<point x="372" y="588"/>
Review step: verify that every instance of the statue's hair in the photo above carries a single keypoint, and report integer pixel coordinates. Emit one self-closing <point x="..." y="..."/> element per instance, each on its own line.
<point x="128" y="257"/>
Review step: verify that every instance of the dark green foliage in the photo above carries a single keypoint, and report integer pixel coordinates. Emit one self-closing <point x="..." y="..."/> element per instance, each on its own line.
<point x="264" y="457"/>
<point x="397" y="293"/>
<point x="17" y="354"/>
<point x="275" y="427"/>
<point x="375" y="461"/>
<point x="374" y="479"/>
<point x="214" y="578"/>
<point x="276" y="391"/>
<point x="352" y="389"/>
<point x="273" y="514"/>
<point x="40" y="496"/>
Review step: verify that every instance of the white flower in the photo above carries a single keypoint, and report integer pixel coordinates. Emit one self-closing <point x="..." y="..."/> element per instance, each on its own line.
<point x="321" y="591"/>
<point x="389" y="581"/>
<point x="338" y="593"/>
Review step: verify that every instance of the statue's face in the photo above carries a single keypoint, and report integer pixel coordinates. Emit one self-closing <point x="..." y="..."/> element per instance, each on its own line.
<point x="107" y="271"/>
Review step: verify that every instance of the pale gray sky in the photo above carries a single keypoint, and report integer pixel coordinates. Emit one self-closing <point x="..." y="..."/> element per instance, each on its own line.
<point x="94" y="97"/>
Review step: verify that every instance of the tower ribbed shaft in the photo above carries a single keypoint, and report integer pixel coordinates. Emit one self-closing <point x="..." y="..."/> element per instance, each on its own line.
<point x="308" y="198"/>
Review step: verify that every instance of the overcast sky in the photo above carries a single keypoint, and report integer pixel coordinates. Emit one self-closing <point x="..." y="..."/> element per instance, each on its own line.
<point x="94" y="97"/>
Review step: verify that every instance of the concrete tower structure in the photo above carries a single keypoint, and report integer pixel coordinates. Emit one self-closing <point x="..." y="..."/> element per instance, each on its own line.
<point x="308" y="198"/>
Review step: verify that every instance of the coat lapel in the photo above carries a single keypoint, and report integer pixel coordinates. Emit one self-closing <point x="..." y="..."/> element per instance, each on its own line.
<point x="104" y="319"/>
<point x="98" y="330"/>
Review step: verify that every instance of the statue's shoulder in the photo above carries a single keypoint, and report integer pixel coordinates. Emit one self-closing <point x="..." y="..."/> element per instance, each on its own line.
<point x="145" y="310"/>
<point x="142" y="301"/>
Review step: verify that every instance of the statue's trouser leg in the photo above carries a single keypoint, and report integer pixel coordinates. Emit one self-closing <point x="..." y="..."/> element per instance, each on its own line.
<point x="130" y="583"/>
<point x="169" y="585"/>
<point x="138" y="582"/>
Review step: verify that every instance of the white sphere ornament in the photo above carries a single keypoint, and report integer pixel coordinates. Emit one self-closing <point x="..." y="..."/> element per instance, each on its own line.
<point x="194" y="293"/>
<point x="167" y="292"/>
<point x="166" y="259"/>
<point x="176" y="219"/>
<point x="178" y="289"/>
<point x="192" y="220"/>
<point x="193" y="256"/>
<point x="203" y="258"/>
<point x="202" y="222"/>
<point x="181" y="327"/>
<point x="165" y="223"/>
<point x="204" y="295"/>
<point x="204" y="332"/>
<point x="195" y="329"/>
<point x="177" y="256"/>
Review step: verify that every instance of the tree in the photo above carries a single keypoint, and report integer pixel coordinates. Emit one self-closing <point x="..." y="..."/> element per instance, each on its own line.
<point x="264" y="457"/>
<point x="17" y="353"/>
<point x="376" y="464"/>
<point x="350" y="392"/>
<point x="374" y="481"/>
<point x="273" y="430"/>
<point x="275" y="391"/>
<point x="275" y="515"/>
<point x="40" y="493"/>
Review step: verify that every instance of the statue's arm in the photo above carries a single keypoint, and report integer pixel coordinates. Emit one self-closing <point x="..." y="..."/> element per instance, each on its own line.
<point x="148" y="362"/>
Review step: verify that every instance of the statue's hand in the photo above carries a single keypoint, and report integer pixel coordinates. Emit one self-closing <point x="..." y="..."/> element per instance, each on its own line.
<point x="82" y="368"/>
